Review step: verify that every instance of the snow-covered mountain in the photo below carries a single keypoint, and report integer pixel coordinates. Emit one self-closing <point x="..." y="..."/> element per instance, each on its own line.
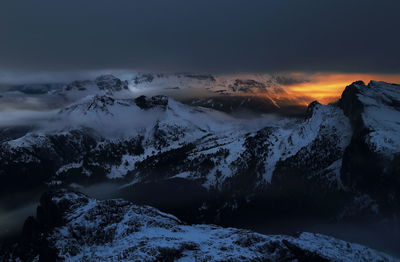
<point x="344" y="153"/>
<point x="70" y="226"/>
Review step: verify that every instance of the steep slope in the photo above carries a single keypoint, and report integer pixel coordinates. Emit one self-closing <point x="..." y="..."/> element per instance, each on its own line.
<point x="72" y="227"/>
<point x="375" y="107"/>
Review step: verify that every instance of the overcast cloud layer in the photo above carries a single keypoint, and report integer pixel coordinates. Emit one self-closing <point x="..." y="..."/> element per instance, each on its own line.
<point x="212" y="36"/>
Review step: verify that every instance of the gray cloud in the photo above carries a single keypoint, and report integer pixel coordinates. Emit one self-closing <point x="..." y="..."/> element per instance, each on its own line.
<point x="291" y="80"/>
<point x="24" y="117"/>
<point x="211" y="36"/>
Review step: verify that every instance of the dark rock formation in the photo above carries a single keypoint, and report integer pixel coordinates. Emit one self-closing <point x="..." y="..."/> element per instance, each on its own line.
<point x="145" y="102"/>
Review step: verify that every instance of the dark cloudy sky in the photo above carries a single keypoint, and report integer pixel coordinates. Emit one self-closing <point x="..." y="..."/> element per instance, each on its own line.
<point x="203" y="35"/>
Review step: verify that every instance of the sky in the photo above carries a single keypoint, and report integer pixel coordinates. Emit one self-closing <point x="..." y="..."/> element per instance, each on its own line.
<point x="224" y="36"/>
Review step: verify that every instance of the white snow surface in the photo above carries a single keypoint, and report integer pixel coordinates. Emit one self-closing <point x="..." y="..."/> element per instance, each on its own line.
<point x="288" y="139"/>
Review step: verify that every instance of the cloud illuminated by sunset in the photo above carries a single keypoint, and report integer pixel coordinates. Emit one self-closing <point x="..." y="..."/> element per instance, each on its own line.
<point x="328" y="87"/>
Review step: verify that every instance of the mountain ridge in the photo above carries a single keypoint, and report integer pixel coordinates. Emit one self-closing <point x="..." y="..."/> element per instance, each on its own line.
<point x="70" y="226"/>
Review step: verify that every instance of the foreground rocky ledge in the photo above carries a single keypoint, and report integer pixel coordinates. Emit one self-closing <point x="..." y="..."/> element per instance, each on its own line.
<point x="73" y="227"/>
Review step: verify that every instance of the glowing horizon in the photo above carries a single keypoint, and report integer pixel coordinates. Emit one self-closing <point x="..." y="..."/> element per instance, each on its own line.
<point x="328" y="87"/>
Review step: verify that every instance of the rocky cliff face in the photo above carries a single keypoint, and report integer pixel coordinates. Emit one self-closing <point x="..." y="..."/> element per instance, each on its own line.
<point x="371" y="162"/>
<point x="70" y="226"/>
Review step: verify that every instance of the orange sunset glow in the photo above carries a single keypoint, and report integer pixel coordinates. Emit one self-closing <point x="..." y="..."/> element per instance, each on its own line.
<point x="327" y="88"/>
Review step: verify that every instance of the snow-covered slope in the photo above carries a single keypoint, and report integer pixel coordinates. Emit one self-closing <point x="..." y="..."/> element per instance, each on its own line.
<point x="72" y="227"/>
<point x="108" y="114"/>
<point x="381" y="103"/>
<point x="375" y="107"/>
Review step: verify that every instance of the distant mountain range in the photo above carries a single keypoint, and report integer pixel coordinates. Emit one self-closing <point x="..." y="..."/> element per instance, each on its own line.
<point x="256" y="93"/>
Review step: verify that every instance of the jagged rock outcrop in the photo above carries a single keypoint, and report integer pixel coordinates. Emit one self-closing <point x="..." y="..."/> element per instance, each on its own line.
<point x="148" y="102"/>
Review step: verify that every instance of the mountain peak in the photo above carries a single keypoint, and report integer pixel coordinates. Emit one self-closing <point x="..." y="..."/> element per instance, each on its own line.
<point x="358" y="83"/>
<point x="310" y="108"/>
<point x="374" y="107"/>
<point x="111" y="83"/>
